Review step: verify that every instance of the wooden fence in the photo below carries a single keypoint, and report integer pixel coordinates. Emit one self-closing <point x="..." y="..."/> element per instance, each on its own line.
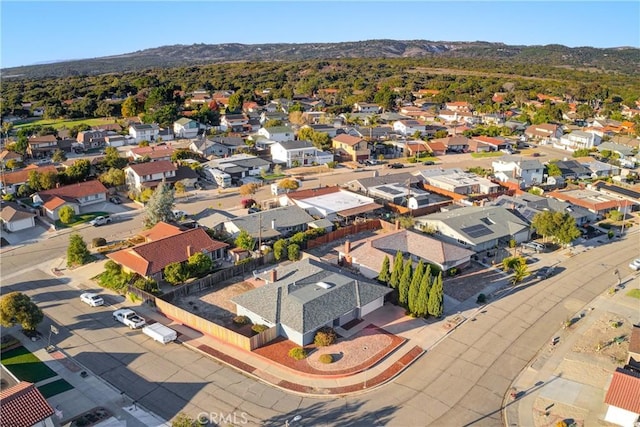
<point x="213" y="329"/>
<point x="340" y="233"/>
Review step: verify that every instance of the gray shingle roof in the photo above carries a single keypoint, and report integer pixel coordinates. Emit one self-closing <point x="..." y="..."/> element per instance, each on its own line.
<point x="296" y="145"/>
<point x="297" y="301"/>
<point x="282" y="218"/>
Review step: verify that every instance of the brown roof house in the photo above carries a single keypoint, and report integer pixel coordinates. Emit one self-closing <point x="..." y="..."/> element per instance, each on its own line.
<point x="623" y="397"/>
<point x="75" y="195"/>
<point x="24" y="406"/>
<point x="14" y="218"/>
<point x="149" y="175"/>
<point x="11" y="181"/>
<point x="149" y="259"/>
<point x="42" y="146"/>
<point x="350" y="147"/>
<point x="368" y="254"/>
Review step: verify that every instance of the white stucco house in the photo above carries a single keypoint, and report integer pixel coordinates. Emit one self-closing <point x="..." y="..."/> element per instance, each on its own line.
<point x="578" y="140"/>
<point x="144" y="132"/>
<point x="529" y="172"/>
<point x="299" y="153"/>
<point x="186" y="128"/>
<point x="277" y="133"/>
<point x="148" y="175"/>
<point x="409" y="127"/>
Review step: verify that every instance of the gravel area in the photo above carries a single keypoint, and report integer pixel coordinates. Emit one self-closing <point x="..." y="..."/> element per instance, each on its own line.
<point x="216" y="305"/>
<point x="470" y="281"/>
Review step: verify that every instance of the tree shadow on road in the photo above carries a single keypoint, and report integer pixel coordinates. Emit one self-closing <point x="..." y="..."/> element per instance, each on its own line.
<point x="342" y="415"/>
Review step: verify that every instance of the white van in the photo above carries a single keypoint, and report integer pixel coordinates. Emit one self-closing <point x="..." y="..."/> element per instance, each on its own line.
<point x="538" y="247"/>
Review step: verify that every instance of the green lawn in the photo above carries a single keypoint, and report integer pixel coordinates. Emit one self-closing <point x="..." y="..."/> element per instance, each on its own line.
<point x="634" y="293"/>
<point x="24" y="365"/>
<point x="55" y="387"/>
<point x="487" y="154"/>
<point x="80" y="219"/>
<point x="59" y="123"/>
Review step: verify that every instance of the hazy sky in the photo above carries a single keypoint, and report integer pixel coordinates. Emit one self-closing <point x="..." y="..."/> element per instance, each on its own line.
<point x="34" y="32"/>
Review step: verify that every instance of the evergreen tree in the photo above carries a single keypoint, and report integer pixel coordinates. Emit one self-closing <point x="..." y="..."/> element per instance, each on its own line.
<point x="405" y="282"/>
<point x="77" y="252"/>
<point x="436" y="295"/>
<point x="398" y="264"/>
<point x="159" y="206"/>
<point x="423" y="293"/>
<point x="384" y="275"/>
<point x="414" y="288"/>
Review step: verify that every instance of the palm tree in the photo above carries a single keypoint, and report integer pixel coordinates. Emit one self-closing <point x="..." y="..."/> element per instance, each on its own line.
<point x="520" y="271"/>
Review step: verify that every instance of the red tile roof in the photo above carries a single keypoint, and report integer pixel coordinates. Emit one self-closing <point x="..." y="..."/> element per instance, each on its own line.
<point x="160" y="231"/>
<point x="624" y="390"/>
<point x="313" y="192"/>
<point x="347" y="139"/>
<point x="150" y="258"/>
<point x="18" y="177"/>
<point x="150" y="168"/>
<point x="75" y="191"/>
<point x="53" y="203"/>
<point x="23" y="405"/>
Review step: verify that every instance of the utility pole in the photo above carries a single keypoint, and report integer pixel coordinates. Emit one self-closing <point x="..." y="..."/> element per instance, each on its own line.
<point x="260" y="232"/>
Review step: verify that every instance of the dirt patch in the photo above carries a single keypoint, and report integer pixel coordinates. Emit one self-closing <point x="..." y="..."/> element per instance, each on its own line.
<point x="470" y="281"/>
<point x="351" y="355"/>
<point x="216" y="305"/>
<point x="607" y="339"/>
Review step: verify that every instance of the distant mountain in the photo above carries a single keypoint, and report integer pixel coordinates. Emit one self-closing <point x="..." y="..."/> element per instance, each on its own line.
<point x="624" y="60"/>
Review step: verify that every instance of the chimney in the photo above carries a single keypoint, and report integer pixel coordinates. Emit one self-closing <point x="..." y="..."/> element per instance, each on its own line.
<point x="189" y="251"/>
<point x="273" y="276"/>
<point x="347" y="247"/>
<point x="397" y="224"/>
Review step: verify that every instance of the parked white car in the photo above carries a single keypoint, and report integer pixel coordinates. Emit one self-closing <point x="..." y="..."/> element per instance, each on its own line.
<point x="635" y="264"/>
<point x="94" y="300"/>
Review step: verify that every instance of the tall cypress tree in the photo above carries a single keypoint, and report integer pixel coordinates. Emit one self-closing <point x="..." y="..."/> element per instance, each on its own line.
<point x="414" y="288"/>
<point x="384" y="275"/>
<point x="436" y="296"/>
<point x="398" y="264"/>
<point x="423" y="293"/>
<point x="405" y="282"/>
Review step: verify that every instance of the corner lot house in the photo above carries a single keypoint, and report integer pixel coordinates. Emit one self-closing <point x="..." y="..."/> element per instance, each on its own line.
<point x="75" y="195"/>
<point x="271" y="224"/>
<point x="623" y="398"/>
<point x="304" y="296"/>
<point x="14" y="218"/>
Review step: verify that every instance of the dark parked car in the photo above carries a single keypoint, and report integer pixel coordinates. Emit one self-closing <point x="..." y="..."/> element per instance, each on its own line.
<point x="395" y="165"/>
<point x="115" y="200"/>
<point x="428" y="163"/>
<point x="545" y="272"/>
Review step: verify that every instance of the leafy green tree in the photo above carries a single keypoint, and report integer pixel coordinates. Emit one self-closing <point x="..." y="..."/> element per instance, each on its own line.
<point x="520" y="272"/>
<point x="179" y="188"/>
<point x="66" y="214"/>
<point x="48" y="180"/>
<point x="405" y="282"/>
<point x="289" y="184"/>
<point x="293" y="252"/>
<point x="77" y="252"/>
<point x="245" y="241"/>
<point x="421" y="305"/>
<point x="436" y="297"/>
<point x="79" y="170"/>
<point x="385" y="275"/>
<point x="24" y="190"/>
<point x="183" y="420"/>
<point x="249" y="189"/>
<point x="271" y="123"/>
<point x="145" y="195"/>
<point x="104" y="109"/>
<point x="13" y="164"/>
<point x="559" y="226"/>
<point x="33" y="180"/>
<point x="199" y="264"/>
<point x="280" y="249"/>
<point x="112" y="158"/>
<point x="176" y="273"/>
<point x="553" y="169"/>
<point x="235" y="103"/>
<point x="58" y="156"/>
<point x="414" y="288"/>
<point x="158" y="208"/>
<point x="113" y="177"/>
<point x="398" y="265"/>
<point x="17" y="308"/>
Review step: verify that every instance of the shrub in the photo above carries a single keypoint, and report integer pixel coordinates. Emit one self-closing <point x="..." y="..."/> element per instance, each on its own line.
<point x="98" y="241"/>
<point x="326" y="358"/>
<point x="453" y="271"/>
<point x="482" y="298"/>
<point x="610" y="234"/>
<point x="293" y="252"/>
<point x="241" y="320"/>
<point x="298" y="353"/>
<point x="259" y="328"/>
<point x="325" y="336"/>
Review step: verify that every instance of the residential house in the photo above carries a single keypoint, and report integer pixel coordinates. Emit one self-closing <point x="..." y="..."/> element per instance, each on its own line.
<point x="271" y="224"/>
<point x="483" y="143"/>
<point x="596" y="202"/>
<point x="185" y="128"/>
<point x="298" y="153"/>
<point x="7" y="155"/>
<point x="365" y="107"/>
<point x="92" y="138"/>
<point x="623" y="397"/>
<point x="477" y="228"/>
<point x="149" y="259"/>
<point x="453" y="117"/>
<point x="527" y="205"/>
<point x="149" y="175"/>
<point x="15" y="218"/>
<point x="42" y="146"/>
<point x="272" y="114"/>
<point x="350" y="148"/>
<point x="454" y="144"/>
<point x="234" y="122"/>
<point x="306" y="295"/>
<point x="367" y="255"/>
<point x="544" y="132"/>
<point x="239" y="166"/>
<point x="165" y="135"/>
<point x="601" y="169"/>
<point x="23" y="405"/>
<point x="76" y="195"/>
<point x="332" y="203"/>
<point x="572" y="169"/>
<point x="627" y="155"/>
<point x="458" y="106"/>
<point x="416" y="148"/>
<point x="153" y="153"/>
<point x="118" y="140"/>
<point x="277" y="133"/>
<point x="630" y="194"/>
<point x="328" y="129"/>
<point x="11" y="181"/>
<point x="458" y="181"/>
<point x="527" y="172"/>
<point x="437" y="147"/>
<point x="144" y="132"/>
<point x="313" y="117"/>
<point x="362" y="184"/>
<point x="409" y="127"/>
<point x="493" y="119"/>
<point x="578" y="140"/>
<point x="199" y="97"/>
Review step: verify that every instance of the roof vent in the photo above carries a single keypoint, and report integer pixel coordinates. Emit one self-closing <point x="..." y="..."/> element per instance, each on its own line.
<point x="324" y="285"/>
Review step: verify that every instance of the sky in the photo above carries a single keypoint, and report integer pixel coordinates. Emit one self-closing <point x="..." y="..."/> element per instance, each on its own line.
<point x="44" y="31"/>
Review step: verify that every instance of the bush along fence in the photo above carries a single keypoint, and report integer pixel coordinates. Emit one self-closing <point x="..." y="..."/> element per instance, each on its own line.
<point x="340" y="233"/>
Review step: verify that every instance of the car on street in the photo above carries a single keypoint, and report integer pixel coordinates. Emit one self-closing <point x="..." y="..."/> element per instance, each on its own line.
<point x="94" y="300"/>
<point x="115" y="200"/>
<point x="635" y="264"/>
<point x="371" y="162"/>
<point x="545" y="272"/>
<point x="395" y="165"/>
<point x="428" y="163"/>
<point x="100" y="220"/>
